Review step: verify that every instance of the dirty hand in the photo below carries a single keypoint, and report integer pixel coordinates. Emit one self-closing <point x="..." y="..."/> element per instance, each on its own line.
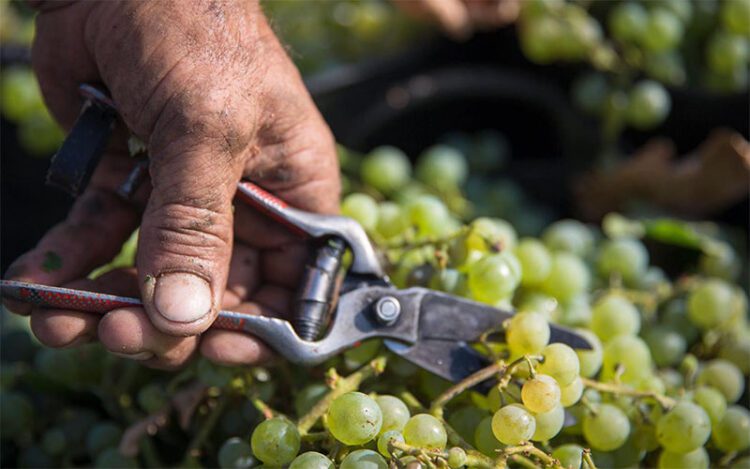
<point x="211" y="91"/>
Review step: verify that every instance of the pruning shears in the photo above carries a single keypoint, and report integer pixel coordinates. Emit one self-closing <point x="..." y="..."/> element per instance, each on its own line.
<point x="333" y="312"/>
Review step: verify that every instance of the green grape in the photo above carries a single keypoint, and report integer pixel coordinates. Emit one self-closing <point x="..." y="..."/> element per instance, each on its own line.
<point x="631" y="353"/>
<point x="582" y="32"/>
<point x="568" y="277"/>
<point x="535" y="261"/>
<point x="394" y="411"/>
<point x="570" y="236"/>
<point x="696" y="459"/>
<point x="652" y="383"/>
<point x="448" y="280"/>
<point x="391" y="220"/>
<point x="385" y="438"/>
<point x="720" y="261"/>
<point x="571" y="393"/>
<point x="111" y="457"/>
<point x="712" y="401"/>
<point x="736" y="351"/>
<point x="442" y="167"/>
<point x="456" y="458"/>
<point x="429" y="214"/>
<point x="363" y="459"/>
<point x="726" y="51"/>
<point x="625" y="257"/>
<point x="735" y="14"/>
<point x="311" y="460"/>
<point x="576" y="312"/>
<point x="494" y="277"/>
<point x="570" y="455"/>
<point x="102" y="436"/>
<point x="725" y="377"/>
<point x="540" y="39"/>
<point x="710" y="304"/>
<point x="19" y="94"/>
<point x="675" y="316"/>
<point x="560" y="362"/>
<point x="648" y="105"/>
<point x="613" y="315"/>
<point x="536" y="302"/>
<point x="627" y="22"/>
<point x="276" y="441"/>
<point x="732" y="433"/>
<point x="548" y="424"/>
<point x="666" y="67"/>
<point x="54" y="441"/>
<point x="465" y="420"/>
<point x="308" y="397"/>
<point x="362" y="208"/>
<point x="667" y="346"/>
<point x="686" y="427"/>
<point x="484" y="438"/>
<point x="386" y="169"/>
<point x="513" y="424"/>
<point x="577" y="413"/>
<point x="425" y="431"/>
<point x="354" y="418"/>
<point x="644" y="437"/>
<point x="628" y="455"/>
<point x="540" y="394"/>
<point x="360" y="355"/>
<point x="39" y="134"/>
<point x="213" y="375"/>
<point x="16" y="413"/>
<point x="495" y="233"/>
<point x="606" y="430"/>
<point x="236" y="453"/>
<point x="152" y="398"/>
<point x="527" y="333"/>
<point x="590" y="360"/>
<point x="663" y="31"/>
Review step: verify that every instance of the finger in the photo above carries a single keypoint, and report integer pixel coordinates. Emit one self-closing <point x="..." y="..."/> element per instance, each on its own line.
<point x="129" y="333"/>
<point x="95" y="229"/>
<point x="65" y="328"/>
<point x="284" y="265"/>
<point x="237" y="348"/>
<point x="244" y="275"/>
<point x="451" y="15"/>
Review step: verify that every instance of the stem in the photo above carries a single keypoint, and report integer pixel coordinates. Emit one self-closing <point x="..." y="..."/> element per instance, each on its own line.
<point x="341" y="386"/>
<point x="587" y="459"/>
<point x="205" y="430"/>
<point x="612" y="388"/>
<point x="523" y="461"/>
<point x="528" y="449"/>
<point x="315" y="436"/>
<point x="473" y="458"/>
<point x="439" y="403"/>
<point x="263" y="408"/>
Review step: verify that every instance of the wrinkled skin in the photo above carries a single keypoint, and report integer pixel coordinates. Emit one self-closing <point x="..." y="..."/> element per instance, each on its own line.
<point x="211" y="91"/>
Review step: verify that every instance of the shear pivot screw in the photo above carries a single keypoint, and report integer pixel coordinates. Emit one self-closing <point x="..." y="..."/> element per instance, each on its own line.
<point x="387" y="310"/>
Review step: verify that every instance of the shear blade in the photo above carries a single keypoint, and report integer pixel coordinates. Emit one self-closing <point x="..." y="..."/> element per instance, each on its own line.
<point x="450" y="360"/>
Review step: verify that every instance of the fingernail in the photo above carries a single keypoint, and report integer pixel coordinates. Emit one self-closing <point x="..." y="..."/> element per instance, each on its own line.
<point x="182" y="297"/>
<point x="140" y="356"/>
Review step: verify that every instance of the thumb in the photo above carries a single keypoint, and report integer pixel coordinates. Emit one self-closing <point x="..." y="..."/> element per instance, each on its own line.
<point x="186" y="239"/>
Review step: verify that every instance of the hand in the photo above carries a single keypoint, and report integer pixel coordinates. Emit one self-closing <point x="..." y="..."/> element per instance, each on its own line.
<point x="459" y="18"/>
<point x="211" y="91"/>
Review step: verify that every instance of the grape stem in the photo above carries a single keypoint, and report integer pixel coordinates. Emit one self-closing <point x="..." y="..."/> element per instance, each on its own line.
<point x="473" y="458"/>
<point x="204" y="431"/>
<point x="612" y="388"/>
<point x="341" y="386"/>
<point x="588" y="459"/>
<point x="528" y="449"/>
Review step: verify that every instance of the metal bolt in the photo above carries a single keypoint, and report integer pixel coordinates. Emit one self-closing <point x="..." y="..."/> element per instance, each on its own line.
<point x="387" y="310"/>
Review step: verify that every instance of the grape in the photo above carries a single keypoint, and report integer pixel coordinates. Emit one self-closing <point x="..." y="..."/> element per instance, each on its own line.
<point x="540" y="39"/>
<point x="625" y="257"/>
<point x="429" y="215"/>
<point x="456" y="458"/>
<point x="568" y="277"/>
<point x="710" y="304"/>
<point x="19" y="93"/>
<point x="607" y="429"/>
<point x="686" y="427"/>
<point x="648" y="105"/>
<point x="548" y="424"/>
<point x="736" y="351"/>
<point x="236" y="453"/>
<point x="667" y="346"/>
<point x="576" y="312"/>
<point x="354" y="418"/>
<point x="663" y="31"/>
<point x="631" y="353"/>
<point x="513" y="424"/>
<point x="101" y="437"/>
<point x="308" y="397"/>
<point x="527" y="333"/>
<point x="391" y="220"/>
<point x="535" y="261"/>
<point x="363" y="459"/>
<point x="696" y="459"/>
<point x="311" y="460"/>
<point x="590" y="361"/>
<point x="732" y="433"/>
<point x="613" y="315"/>
<point x="712" y="401"/>
<point x="726" y="51"/>
<point x="385" y="438"/>
<point x="560" y="362"/>
<point x="152" y="398"/>
<point x="735" y="14"/>
<point x="720" y="261"/>
<point x="16" y="413"/>
<point x="570" y="236"/>
<point x="54" y="441"/>
<point x="589" y="92"/>
<point x="494" y="277"/>
<point x="362" y="208"/>
<point x="627" y="22"/>
<point x="111" y="457"/>
<point x="666" y="67"/>
<point x="675" y="317"/>
<point x="644" y="437"/>
<point x="723" y="376"/>
<point x="569" y="455"/>
<point x="425" y="431"/>
<point x="540" y="394"/>
<point x="465" y="420"/>
<point x="386" y="169"/>
<point x="571" y="393"/>
<point x="494" y="232"/>
<point x="394" y="411"/>
<point x="361" y="354"/>
<point x="442" y="167"/>
<point x="484" y="438"/>
<point x="276" y="441"/>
